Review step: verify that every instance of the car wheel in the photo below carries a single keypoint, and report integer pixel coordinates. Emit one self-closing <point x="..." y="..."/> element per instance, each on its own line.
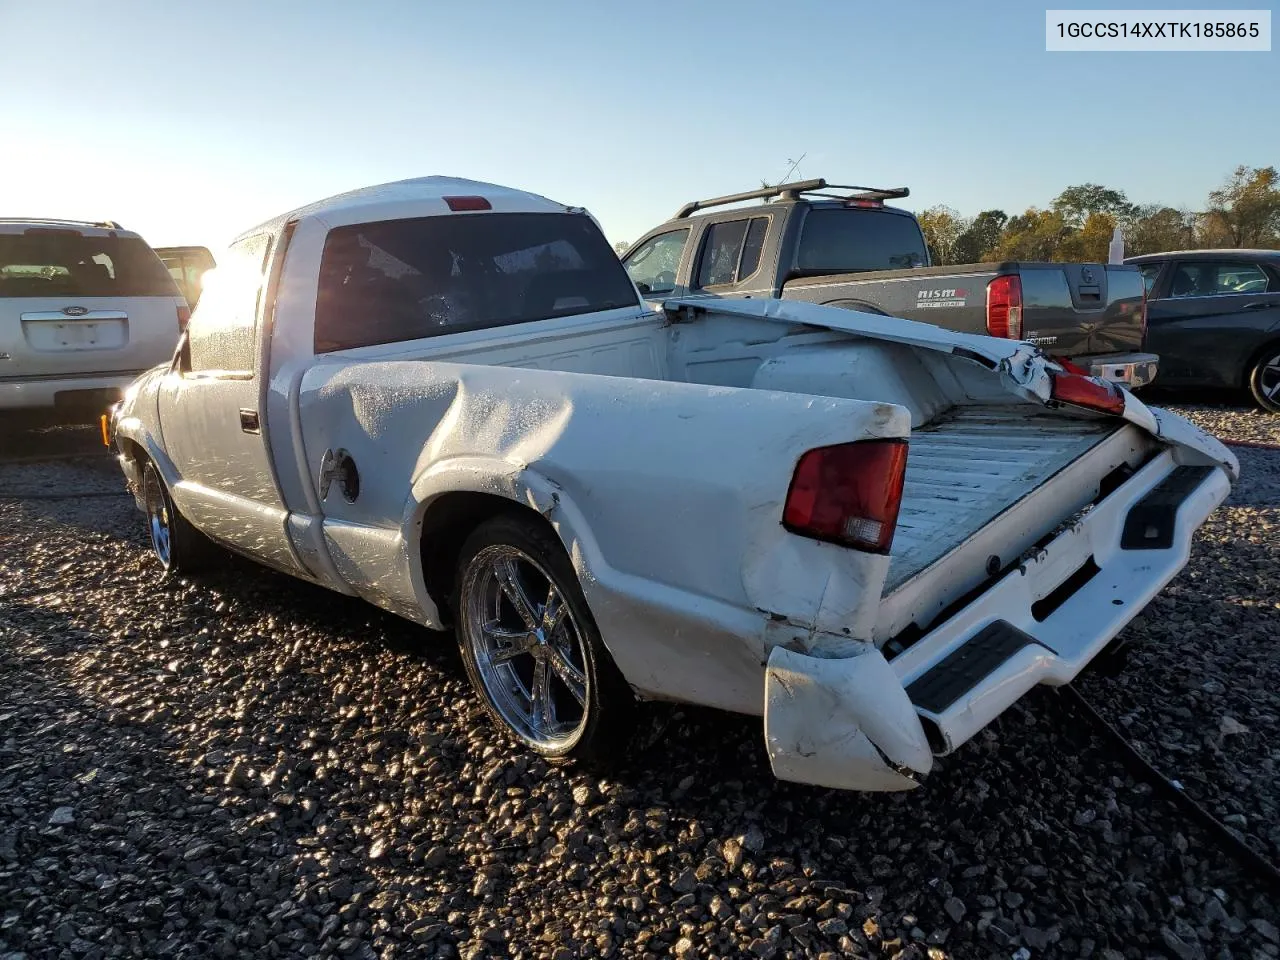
<point x="180" y="547"/>
<point x="1264" y="381"/>
<point x="531" y="647"/>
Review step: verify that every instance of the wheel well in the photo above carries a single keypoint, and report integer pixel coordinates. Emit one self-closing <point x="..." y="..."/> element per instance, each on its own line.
<point x="1257" y="355"/>
<point x="448" y="522"/>
<point x="135" y="451"/>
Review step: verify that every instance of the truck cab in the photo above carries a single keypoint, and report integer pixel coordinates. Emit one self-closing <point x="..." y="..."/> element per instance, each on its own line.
<point x="755" y="250"/>
<point x="844" y="246"/>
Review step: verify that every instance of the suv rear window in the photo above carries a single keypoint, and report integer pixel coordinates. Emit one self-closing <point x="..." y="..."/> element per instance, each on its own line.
<point x="406" y="279"/>
<point x="851" y="240"/>
<point x="62" y="263"/>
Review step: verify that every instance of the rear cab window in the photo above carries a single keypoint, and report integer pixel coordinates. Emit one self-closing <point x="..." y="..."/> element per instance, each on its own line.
<point x="56" y="262"/>
<point x="855" y="240"/>
<point x="731" y="251"/>
<point x="400" y="280"/>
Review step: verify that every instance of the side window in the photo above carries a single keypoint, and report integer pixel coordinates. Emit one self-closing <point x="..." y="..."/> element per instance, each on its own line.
<point x="221" y="333"/>
<point x="731" y="251"/>
<point x="752" y="248"/>
<point x="652" y="265"/>
<point x="1150" y="272"/>
<point x="1217" y="278"/>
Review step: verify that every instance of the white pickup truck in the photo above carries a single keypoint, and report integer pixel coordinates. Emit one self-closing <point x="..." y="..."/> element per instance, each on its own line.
<point x="447" y="398"/>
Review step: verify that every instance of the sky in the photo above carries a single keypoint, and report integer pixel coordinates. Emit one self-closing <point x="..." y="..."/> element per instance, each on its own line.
<point x="189" y="123"/>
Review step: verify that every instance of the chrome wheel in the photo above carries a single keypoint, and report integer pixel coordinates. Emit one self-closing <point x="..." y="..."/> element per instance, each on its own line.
<point x="157" y="517"/>
<point x="1269" y="379"/>
<point x="527" y="645"/>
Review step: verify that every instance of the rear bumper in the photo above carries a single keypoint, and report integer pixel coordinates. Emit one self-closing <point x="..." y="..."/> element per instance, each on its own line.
<point x="1129" y="369"/>
<point x="96" y="390"/>
<point x="870" y="724"/>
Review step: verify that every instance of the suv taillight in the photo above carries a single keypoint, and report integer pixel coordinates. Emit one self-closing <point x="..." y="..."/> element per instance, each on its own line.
<point x="184" y="314"/>
<point x="1143" y="341"/>
<point x="848" y="494"/>
<point x="1004" y="307"/>
<point x="1101" y="396"/>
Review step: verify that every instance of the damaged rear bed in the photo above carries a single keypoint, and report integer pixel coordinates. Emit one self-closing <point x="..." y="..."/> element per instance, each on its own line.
<point x="972" y="464"/>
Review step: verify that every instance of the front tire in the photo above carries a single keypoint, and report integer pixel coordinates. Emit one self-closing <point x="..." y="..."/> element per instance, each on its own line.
<point x="180" y="547"/>
<point x="531" y="647"/>
<point x="1264" y="380"/>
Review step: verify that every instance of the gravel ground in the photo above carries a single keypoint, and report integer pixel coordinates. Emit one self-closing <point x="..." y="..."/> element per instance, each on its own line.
<point x="1249" y="424"/>
<point x="249" y="766"/>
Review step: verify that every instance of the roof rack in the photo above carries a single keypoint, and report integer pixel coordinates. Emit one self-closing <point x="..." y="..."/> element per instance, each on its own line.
<point x="792" y="191"/>
<point x="103" y="224"/>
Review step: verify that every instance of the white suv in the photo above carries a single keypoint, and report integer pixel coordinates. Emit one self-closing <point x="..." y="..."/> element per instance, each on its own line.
<point x="84" y="308"/>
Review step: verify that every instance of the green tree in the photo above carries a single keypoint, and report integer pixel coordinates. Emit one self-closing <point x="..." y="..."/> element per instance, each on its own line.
<point x="980" y="237"/>
<point x="942" y="228"/>
<point x="1034" y="235"/>
<point x="1076" y="204"/>
<point x="1090" y="242"/>
<point x="1246" y="209"/>
<point x="1157" y="229"/>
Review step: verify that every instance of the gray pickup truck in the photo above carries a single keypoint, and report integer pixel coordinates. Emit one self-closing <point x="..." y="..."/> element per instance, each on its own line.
<point x="843" y="246"/>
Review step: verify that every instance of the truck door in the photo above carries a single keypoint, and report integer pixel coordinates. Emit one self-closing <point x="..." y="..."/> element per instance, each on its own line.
<point x="210" y="415"/>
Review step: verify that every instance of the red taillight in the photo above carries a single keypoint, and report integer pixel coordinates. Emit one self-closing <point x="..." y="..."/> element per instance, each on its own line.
<point x="1088" y="392"/>
<point x="460" y="204"/>
<point x="184" y="314"/>
<point x="848" y="494"/>
<point x="865" y="204"/>
<point x="1004" y="307"/>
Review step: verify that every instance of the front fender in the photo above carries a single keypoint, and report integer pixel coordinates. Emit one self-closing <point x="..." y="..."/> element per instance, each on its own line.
<point x="136" y="420"/>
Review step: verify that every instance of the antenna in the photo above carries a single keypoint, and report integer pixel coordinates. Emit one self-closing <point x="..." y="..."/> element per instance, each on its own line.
<point x="794" y="164"/>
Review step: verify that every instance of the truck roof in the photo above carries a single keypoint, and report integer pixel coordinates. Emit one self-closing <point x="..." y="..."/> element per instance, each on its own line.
<point x="797" y="190"/>
<point x="92" y="228"/>
<point x="746" y="209"/>
<point x="417" y="196"/>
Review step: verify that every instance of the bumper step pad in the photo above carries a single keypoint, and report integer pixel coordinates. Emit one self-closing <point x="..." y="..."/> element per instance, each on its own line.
<point x="960" y="671"/>
<point x="1153" y="519"/>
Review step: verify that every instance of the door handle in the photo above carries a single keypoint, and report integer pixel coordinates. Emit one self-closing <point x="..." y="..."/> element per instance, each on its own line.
<point x="249" y="421"/>
<point x="1257" y="305"/>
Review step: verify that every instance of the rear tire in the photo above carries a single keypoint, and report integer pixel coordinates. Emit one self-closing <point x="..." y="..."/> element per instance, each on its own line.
<point x="1264" y="379"/>
<point x="180" y="547"/>
<point x="532" y="649"/>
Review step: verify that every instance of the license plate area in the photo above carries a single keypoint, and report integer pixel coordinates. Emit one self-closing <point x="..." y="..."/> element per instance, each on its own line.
<point x="58" y="333"/>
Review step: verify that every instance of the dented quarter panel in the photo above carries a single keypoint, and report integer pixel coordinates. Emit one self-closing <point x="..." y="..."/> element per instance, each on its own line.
<point x="668" y="497"/>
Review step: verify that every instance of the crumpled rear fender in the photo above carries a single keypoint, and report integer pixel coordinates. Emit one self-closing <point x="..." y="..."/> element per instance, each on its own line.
<point x="844" y="723"/>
